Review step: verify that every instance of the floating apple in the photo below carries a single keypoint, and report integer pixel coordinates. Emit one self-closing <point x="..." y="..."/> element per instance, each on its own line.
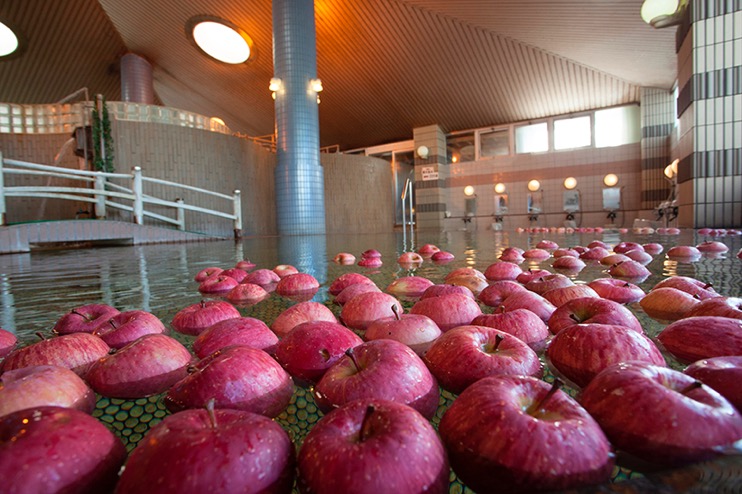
<point x="75" y="351"/>
<point x="237" y="377"/>
<point x="521" y="323"/>
<point x="565" y="253"/>
<point x="245" y="265"/>
<point x="44" y="385"/>
<point x="371" y="254"/>
<point x="690" y="422"/>
<point x="362" y="310"/>
<point x="562" y="295"/>
<point x="145" y="367"/>
<point x="410" y="260"/>
<point x="362" y="446"/>
<point x="207" y="273"/>
<point x="713" y="246"/>
<point x="414" y="330"/>
<point x="547" y="245"/>
<point x="466" y="354"/>
<point x="283" y="270"/>
<point x="629" y="270"/>
<point x="299" y="313"/>
<point x="592" y="310"/>
<point x="548" y="282"/>
<point x="442" y="257"/>
<point x="438" y="290"/>
<point x="512" y="254"/>
<point x="717" y="306"/>
<point x="84" y="319"/>
<point x="699" y="337"/>
<point x="262" y="277"/>
<point x="311" y="348"/>
<point x="344" y="281"/>
<point x="379" y="369"/>
<point x="568" y="263"/>
<point x="246" y="331"/>
<point x="594" y="254"/>
<point x="653" y="248"/>
<point x="581" y="351"/>
<point x="344" y="258"/>
<point x="531" y="301"/>
<point x="8" y="342"/>
<point x="238" y="274"/>
<point x="536" y="254"/>
<point x="684" y="252"/>
<point x="195" y="318"/>
<point x="639" y="255"/>
<point x="515" y="434"/>
<point x="353" y="290"/>
<point x="502" y="271"/>
<point x="428" y="250"/>
<point x="622" y="247"/>
<point x="723" y="374"/>
<point x="297" y="284"/>
<point x="217" y="285"/>
<point x="612" y="259"/>
<point x="463" y="272"/>
<point x="532" y="274"/>
<point x="689" y="285"/>
<point x="448" y="311"/>
<point x="236" y="451"/>
<point x="617" y="290"/>
<point x="408" y="287"/>
<point x="474" y="283"/>
<point x="247" y="294"/>
<point x="55" y="449"/>
<point x="128" y="326"/>
<point x="598" y="243"/>
<point x="495" y="294"/>
<point x="667" y="303"/>
<point x="370" y="262"/>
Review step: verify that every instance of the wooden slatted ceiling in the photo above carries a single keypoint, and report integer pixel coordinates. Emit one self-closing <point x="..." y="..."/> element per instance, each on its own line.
<point x="387" y="66"/>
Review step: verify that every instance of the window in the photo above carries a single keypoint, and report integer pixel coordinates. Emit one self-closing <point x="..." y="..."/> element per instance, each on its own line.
<point x="460" y="147"/>
<point x="532" y="138"/>
<point x="617" y="126"/>
<point x="494" y="143"/>
<point x="572" y="132"/>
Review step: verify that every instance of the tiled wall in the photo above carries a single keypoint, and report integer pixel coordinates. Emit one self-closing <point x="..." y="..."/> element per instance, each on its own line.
<point x="710" y="102"/>
<point x="657" y="121"/>
<point x="588" y="166"/>
<point x="430" y="194"/>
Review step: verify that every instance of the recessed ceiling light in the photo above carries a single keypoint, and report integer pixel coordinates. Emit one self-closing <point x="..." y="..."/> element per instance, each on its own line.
<point x="8" y="40"/>
<point x="220" y="39"/>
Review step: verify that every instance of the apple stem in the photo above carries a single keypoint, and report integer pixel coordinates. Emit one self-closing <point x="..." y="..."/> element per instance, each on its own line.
<point x="112" y="351"/>
<point x="203" y="303"/>
<point x="74" y="311"/>
<point x="694" y="385"/>
<point x="536" y="407"/>
<point x="40" y="335"/>
<point x="707" y="286"/>
<point x="191" y="369"/>
<point x="366" y="424"/>
<point x="626" y="285"/>
<point x="349" y="353"/>
<point x="210" y="410"/>
<point x="501" y="309"/>
<point x="575" y="318"/>
<point x="113" y="324"/>
<point x="498" y="340"/>
<point x="396" y="312"/>
<point x="325" y="354"/>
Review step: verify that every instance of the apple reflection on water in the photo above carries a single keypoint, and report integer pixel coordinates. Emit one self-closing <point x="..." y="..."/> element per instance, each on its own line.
<point x="159" y="279"/>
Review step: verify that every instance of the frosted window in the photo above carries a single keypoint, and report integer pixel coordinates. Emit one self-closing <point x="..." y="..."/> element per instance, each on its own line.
<point x="532" y="138"/>
<point x="572" y="133"/>
<point x="617" y="126"/>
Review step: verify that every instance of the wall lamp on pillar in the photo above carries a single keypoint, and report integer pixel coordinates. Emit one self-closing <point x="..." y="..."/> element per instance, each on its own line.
<point x="423" y="152"/>
<point x="275" y="86"/>
<point x="663" y="13"/>
<point x="315" y="86"/>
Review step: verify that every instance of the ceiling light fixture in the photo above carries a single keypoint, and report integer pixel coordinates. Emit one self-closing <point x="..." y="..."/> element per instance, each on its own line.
<point x="663" y="13"/>
<point x="9" y="41"/>
<point x="220" y="39"/>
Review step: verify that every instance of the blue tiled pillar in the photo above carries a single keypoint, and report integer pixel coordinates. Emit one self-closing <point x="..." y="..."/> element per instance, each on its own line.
<point x="300" y="190"/>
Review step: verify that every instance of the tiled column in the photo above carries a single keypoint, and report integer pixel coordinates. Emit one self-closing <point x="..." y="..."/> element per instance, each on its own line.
<point x="710" y="108"/>
<point x="430" y="177"/>
<point x="657" y="119"/>
<point x="300" y="195"/>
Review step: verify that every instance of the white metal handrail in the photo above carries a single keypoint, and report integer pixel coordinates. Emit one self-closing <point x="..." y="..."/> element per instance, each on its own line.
<point x="103" y="191"/>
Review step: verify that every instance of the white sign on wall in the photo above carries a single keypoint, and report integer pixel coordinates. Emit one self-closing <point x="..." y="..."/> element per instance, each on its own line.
<point x="429" y="173"/>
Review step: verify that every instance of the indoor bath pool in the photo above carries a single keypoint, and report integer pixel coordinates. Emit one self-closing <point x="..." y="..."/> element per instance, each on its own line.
<point x="37" y="289"/>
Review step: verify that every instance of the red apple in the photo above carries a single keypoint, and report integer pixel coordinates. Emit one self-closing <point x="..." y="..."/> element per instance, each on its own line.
<point x="532" y="274"/>
<point x="495" y="294"/>
<point x="353" y="290"/>
<point x="688" y="421"/>
<point x="283" y="270"/>
<point x="622" y="247"/>
<point x="548" y="282"/>
<point x="442" y="257"/>
<point x="303" y="285"/>
<point x="76" y="351"/>
<point x="408" y="287"/>
<point x="531" y="301"/>
<point x="309" y="349"/>
<point x="547" y="245"/>
<point x="414" y="330"/>
<point x="370" y="254"/>
<point x="612" y="259"/>
<point x="55" y="449"/>
<point x="362" y="310"/>
<point x="84" y="319"/>
<point x="723" y="374"/>
<point x="473" y="282"/>
<point x="237" y="377"/>
<point x="639" y="255"/>
<point x="44" y="385"/>
<point x="344" y="258"/>
<point x="262" y="277"/>
<point x="409" y="260"/>
<point x="238" y="274"/>
<point x="594" y="254"/>
<point x="448" y="311"/>
<point x="688" y="285"/>
<point x="344" y="281"/>
<point x="428" y="250"/>
<point x="712" y="246"/>
<point x="463" y="272"/>
<point x="592" y="310"/>
<point x="145" y="367"/>
<point x="629" y="270"/>
<point x="247" y="294"/>
<point x="299" y="313"/>
<point x="515" y="434"/>
<point x="684" y="252"/>
<point x="653" y="248"/>
<point x="7" y="342"/>
<point x="438" y="290"/>
<point x="667" y="304"/>
<point x="235" y="451"/>
<point x="699" y="337"/>
<point x="537" y="254"/>
<point x="217" y="285"/>
<point x="502" y="271"/>
<point x="566" y="253"/>
<point x="560" y="296"/>
<point x="246" y="331"/>
<point x="467" y="354"/>
<point x="195" y="318"/>
<point x="370" y="262"/>
<point x="598" y="243"/>
<point x="581" y="351"/>
<point x="717" y="306"/>
<point x="362" y="447"/>
<point x="568" y="263"/>
<point x="521" y="323"/>
<point x="245" y="265"/>
<point x="379" y="369"/>
<point x="619" y="291"/>
<point x="512" y="254"/>
<point x="128" y="326"/>
<point x="207" y="273"/>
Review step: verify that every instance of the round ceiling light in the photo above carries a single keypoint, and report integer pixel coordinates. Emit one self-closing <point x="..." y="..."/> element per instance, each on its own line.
<point x="221" y="40"/>
<point x="8" y="41"/>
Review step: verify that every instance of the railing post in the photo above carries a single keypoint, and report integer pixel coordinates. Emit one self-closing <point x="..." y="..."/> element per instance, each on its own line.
<point x="181" y="214"/>
<point x="100" y="199"/>
<point x="237" y="214"/>
<point x="136" y="188"/>
<point x="2" y="191"/>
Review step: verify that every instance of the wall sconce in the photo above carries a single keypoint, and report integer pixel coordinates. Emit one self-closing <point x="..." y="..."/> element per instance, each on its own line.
<point x="534" y="185"/>
<point x="671" y="170"/>
<point x="468" y="191"/>
<point x="423" y="152"/>
<point x="570" y="183"/>
<point x="500" y="188"/>
<point x="610" y="180"/>
<point x="663" y="13"/>
<point x="316" y="85"/>
<point x="275" y="85"/>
